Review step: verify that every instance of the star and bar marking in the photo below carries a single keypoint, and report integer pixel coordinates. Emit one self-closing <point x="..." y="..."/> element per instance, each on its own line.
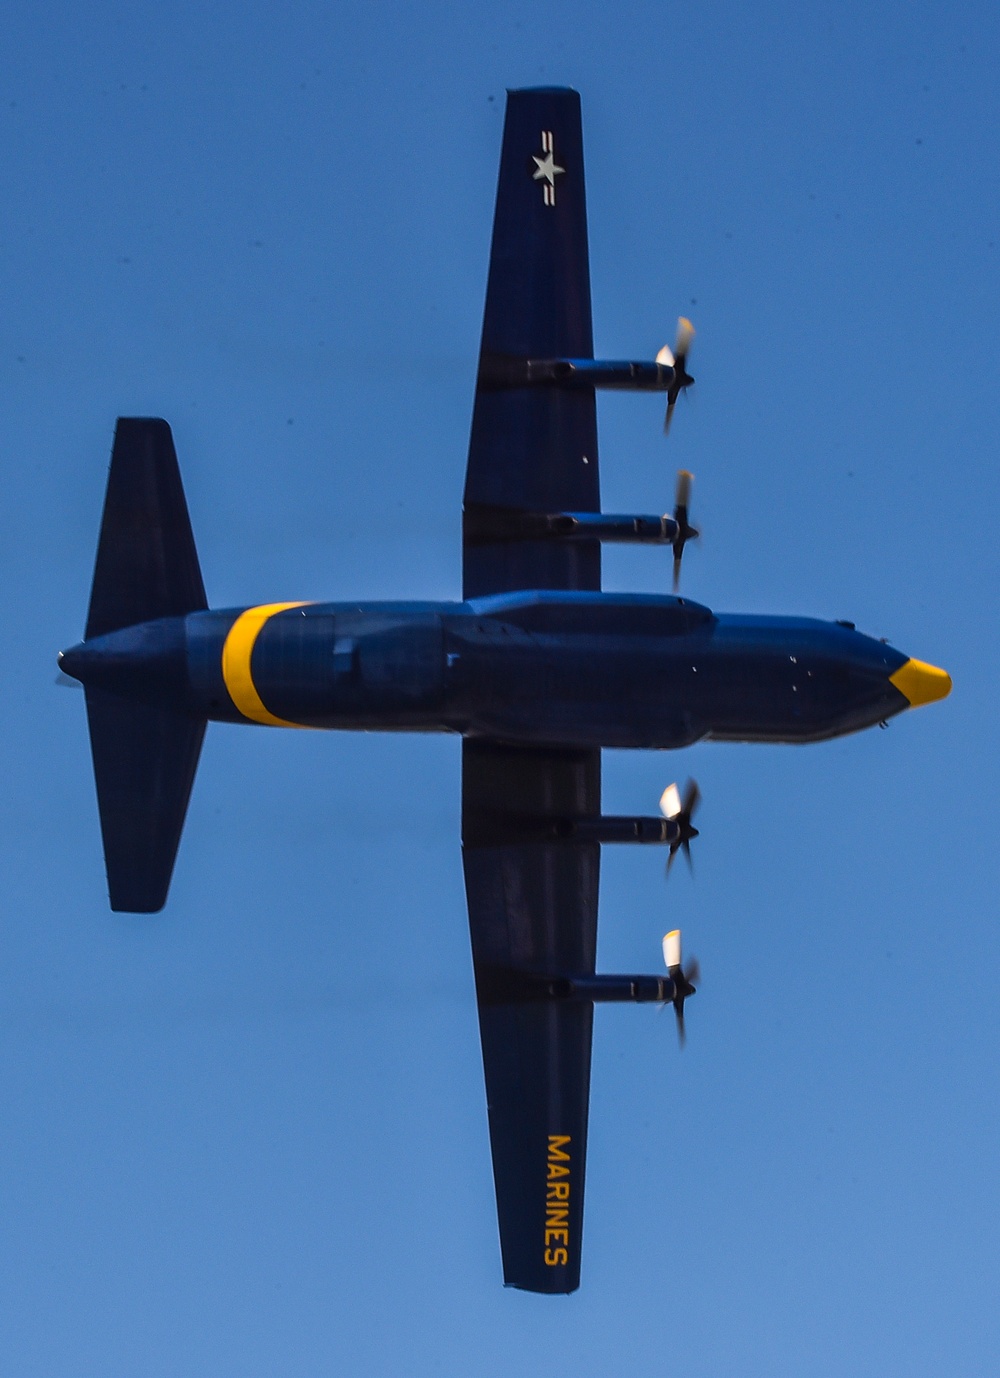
<point x="546" y="169"/>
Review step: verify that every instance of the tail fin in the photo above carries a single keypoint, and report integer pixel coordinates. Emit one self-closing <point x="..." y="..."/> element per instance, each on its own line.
<point x="145" y="753"/>
<point x="147" y="566"/>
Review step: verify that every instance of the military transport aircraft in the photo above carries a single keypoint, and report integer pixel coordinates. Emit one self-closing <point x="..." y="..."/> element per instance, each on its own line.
<point x="536" y="668"/>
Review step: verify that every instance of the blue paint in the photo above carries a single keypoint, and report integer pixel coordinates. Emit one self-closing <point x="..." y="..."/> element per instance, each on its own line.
<point x="567" y="669"/>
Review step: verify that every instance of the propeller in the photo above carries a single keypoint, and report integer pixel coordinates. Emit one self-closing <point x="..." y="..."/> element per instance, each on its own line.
<point x="685" y="531"/>
<point x="676" y="359"/>
<point x="685" y="979"/>
<point x="65" y="681"/>
<point x="680" y="811"/>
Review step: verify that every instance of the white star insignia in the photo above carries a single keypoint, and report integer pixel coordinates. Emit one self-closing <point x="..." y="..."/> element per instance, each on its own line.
<point x="546" y="168"/>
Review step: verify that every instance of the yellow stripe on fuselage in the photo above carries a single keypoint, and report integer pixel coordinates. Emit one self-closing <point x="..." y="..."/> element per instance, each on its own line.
<point x="236" y="653"/>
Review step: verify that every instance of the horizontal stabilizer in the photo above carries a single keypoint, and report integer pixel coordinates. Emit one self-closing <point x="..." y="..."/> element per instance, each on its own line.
<point x="145" y="757"/>
<point x="147" y="566"/>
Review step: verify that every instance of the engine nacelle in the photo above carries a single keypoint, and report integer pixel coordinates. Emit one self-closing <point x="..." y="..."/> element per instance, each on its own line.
<point x="487" y="525"/>
<point x="499" y="371"/>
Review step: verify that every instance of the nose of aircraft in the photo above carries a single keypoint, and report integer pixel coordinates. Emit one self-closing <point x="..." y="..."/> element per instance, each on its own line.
<point x="921" y="683"/>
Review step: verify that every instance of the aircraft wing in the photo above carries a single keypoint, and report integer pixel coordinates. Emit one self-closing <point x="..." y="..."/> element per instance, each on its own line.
<point x="533" y="913"/>
<point x="534" y="448"/>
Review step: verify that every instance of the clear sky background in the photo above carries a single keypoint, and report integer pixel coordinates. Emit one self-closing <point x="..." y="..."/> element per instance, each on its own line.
<point x="248" y="1136"/>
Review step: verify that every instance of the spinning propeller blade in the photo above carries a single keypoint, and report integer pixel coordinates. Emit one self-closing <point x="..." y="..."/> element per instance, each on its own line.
<point x="685" y="531"/>
<point x="685" y="979"/>
<point x="680" y="811"/>
<point x="677" y="360"/>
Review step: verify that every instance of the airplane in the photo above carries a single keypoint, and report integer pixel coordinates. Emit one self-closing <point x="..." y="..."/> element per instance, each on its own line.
<point x="536" y="668"/>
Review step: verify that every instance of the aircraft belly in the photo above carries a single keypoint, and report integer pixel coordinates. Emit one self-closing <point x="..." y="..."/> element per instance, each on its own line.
<point x="582" y="694"/>
<point x="582" y="681"/>
<point x="782" y="685"/>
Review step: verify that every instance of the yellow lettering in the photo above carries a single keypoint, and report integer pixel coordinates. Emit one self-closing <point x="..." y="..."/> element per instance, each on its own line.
<point x="557" y="1200"/>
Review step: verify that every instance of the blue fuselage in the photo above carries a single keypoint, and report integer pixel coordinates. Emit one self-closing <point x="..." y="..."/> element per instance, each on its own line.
<point x="567" y="669"/>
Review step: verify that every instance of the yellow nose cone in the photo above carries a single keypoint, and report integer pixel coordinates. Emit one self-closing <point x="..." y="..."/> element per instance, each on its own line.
<point x="921" y="683"/>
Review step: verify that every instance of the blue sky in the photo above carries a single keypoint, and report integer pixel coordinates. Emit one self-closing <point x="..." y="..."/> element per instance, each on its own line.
<point x="248" y="1136"/>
